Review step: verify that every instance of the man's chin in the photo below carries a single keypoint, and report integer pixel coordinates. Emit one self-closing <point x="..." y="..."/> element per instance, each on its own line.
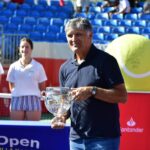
<point x="75" y="49"/>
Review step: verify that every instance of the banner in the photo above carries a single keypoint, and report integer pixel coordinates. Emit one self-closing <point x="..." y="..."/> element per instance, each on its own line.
<point x="32" y="135"/>
<point x="135" y="122"/>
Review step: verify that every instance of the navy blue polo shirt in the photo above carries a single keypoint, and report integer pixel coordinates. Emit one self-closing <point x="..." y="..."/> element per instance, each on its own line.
<point x="92" y="118"/>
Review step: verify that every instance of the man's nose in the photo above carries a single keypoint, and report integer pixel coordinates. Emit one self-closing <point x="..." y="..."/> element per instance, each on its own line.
<point x="74" y="37"/>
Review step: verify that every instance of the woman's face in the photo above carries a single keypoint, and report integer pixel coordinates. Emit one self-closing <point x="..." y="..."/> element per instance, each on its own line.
<point x="25" y="49"/>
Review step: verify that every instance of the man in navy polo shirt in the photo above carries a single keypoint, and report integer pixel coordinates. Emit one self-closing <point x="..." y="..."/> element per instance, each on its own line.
<point x="98" y="87"/>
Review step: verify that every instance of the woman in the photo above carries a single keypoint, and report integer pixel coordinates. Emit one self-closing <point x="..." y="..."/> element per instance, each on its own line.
<point x="26" y="79"/>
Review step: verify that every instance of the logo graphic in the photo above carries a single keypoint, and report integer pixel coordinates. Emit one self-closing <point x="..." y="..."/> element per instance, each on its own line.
<point x="128" y="72"/>
<point x="131" y="127"/>
<point x="132" y="53"/>
<point x="13" y="142"/>
<point x="131" y="122"/>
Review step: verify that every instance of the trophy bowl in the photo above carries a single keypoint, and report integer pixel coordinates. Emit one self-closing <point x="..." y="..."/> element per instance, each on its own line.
<point x="57" y="101"/>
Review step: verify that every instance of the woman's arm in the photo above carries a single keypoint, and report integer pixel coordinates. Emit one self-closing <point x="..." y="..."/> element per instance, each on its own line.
<point x="42" y="86"/>
<point x="11" y="86"/>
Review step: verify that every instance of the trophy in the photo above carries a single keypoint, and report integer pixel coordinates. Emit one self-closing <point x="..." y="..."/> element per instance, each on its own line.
<point x="57" y="101"/>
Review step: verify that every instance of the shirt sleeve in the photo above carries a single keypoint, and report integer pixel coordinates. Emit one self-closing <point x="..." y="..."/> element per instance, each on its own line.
<point x="112" y="72"/>
<point x="42" y="74"/>
<point x="61" y="77"/>
<point x="10" y="75"/>
<point x="1" y="69"/>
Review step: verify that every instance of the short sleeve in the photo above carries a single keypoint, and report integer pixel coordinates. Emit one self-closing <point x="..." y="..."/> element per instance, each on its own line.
<point x="112" y="72"/>
<point x="10" y="74"/>
<point x="42" y="74"/>
<point x="61" y="78"/>
<point x="1" y="69"/>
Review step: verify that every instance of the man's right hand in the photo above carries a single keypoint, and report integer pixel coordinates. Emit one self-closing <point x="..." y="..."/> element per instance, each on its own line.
<point x="58" y="122"/>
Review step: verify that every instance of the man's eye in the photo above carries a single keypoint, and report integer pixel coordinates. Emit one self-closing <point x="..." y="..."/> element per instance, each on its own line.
<point x="69" y="36"/>
<point x="78" y="34"/>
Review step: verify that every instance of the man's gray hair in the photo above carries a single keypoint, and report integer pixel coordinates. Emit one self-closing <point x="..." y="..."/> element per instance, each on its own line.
<point x="78" y="23"/>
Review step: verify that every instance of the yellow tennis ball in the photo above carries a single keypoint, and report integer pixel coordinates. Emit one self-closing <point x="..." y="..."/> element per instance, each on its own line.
<point x="133" y="55"/>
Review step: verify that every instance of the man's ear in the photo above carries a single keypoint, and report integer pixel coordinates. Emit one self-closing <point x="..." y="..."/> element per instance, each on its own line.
<point x="90" y="34"/>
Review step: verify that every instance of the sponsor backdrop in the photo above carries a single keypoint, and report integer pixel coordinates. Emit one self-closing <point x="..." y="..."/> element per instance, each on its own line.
<point x="134" y="117"/>
<point x="32" y="135"/>
<point x="132" y="52"/>
<point x="135" y="122"/>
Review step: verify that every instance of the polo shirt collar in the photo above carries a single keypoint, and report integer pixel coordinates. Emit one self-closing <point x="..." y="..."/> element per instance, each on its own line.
<point x="28" y="66"/>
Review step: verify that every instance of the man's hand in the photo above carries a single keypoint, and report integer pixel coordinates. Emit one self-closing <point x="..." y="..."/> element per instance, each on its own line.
<point x="81" y="93"/>
<point x="58" y="122"/>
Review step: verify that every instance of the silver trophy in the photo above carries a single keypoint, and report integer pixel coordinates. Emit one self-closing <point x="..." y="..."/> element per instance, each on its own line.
<point x="57" y="101"/>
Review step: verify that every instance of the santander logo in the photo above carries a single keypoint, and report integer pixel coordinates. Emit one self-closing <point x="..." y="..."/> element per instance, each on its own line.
<point x="131" y="123"/>
<point x="131" y="127"/>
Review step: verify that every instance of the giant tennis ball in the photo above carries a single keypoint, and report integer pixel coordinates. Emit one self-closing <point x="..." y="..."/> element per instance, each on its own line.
<point x="133" y="55"/>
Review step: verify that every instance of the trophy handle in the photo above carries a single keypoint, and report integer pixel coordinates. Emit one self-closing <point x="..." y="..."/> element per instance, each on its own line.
<point x="43" y="95"/>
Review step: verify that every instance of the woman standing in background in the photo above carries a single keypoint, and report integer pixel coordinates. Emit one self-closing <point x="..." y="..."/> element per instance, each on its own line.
<point x="26" y="79"/>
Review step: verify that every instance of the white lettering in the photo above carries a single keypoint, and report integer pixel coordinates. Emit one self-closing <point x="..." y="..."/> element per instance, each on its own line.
<point x="136" y="130"/>
<point x="24" y="142"/>
<point x="36" y="143"/>
<point x="12" y="142"/>
<point x="4" y="140"/>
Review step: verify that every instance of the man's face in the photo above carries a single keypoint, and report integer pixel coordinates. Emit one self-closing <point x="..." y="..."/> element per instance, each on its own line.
<point x="79" y="40"/>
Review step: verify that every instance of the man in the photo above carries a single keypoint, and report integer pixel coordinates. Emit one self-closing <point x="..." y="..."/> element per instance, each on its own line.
<point x="146" y="7"/>
<point x="80" y="4"/>
<point x="134" y="3"/>
<point x="122" y="8"/>
<point x="109" y="3"/>
<point x="1" y="71"/>
<point x="97" y="87"/>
